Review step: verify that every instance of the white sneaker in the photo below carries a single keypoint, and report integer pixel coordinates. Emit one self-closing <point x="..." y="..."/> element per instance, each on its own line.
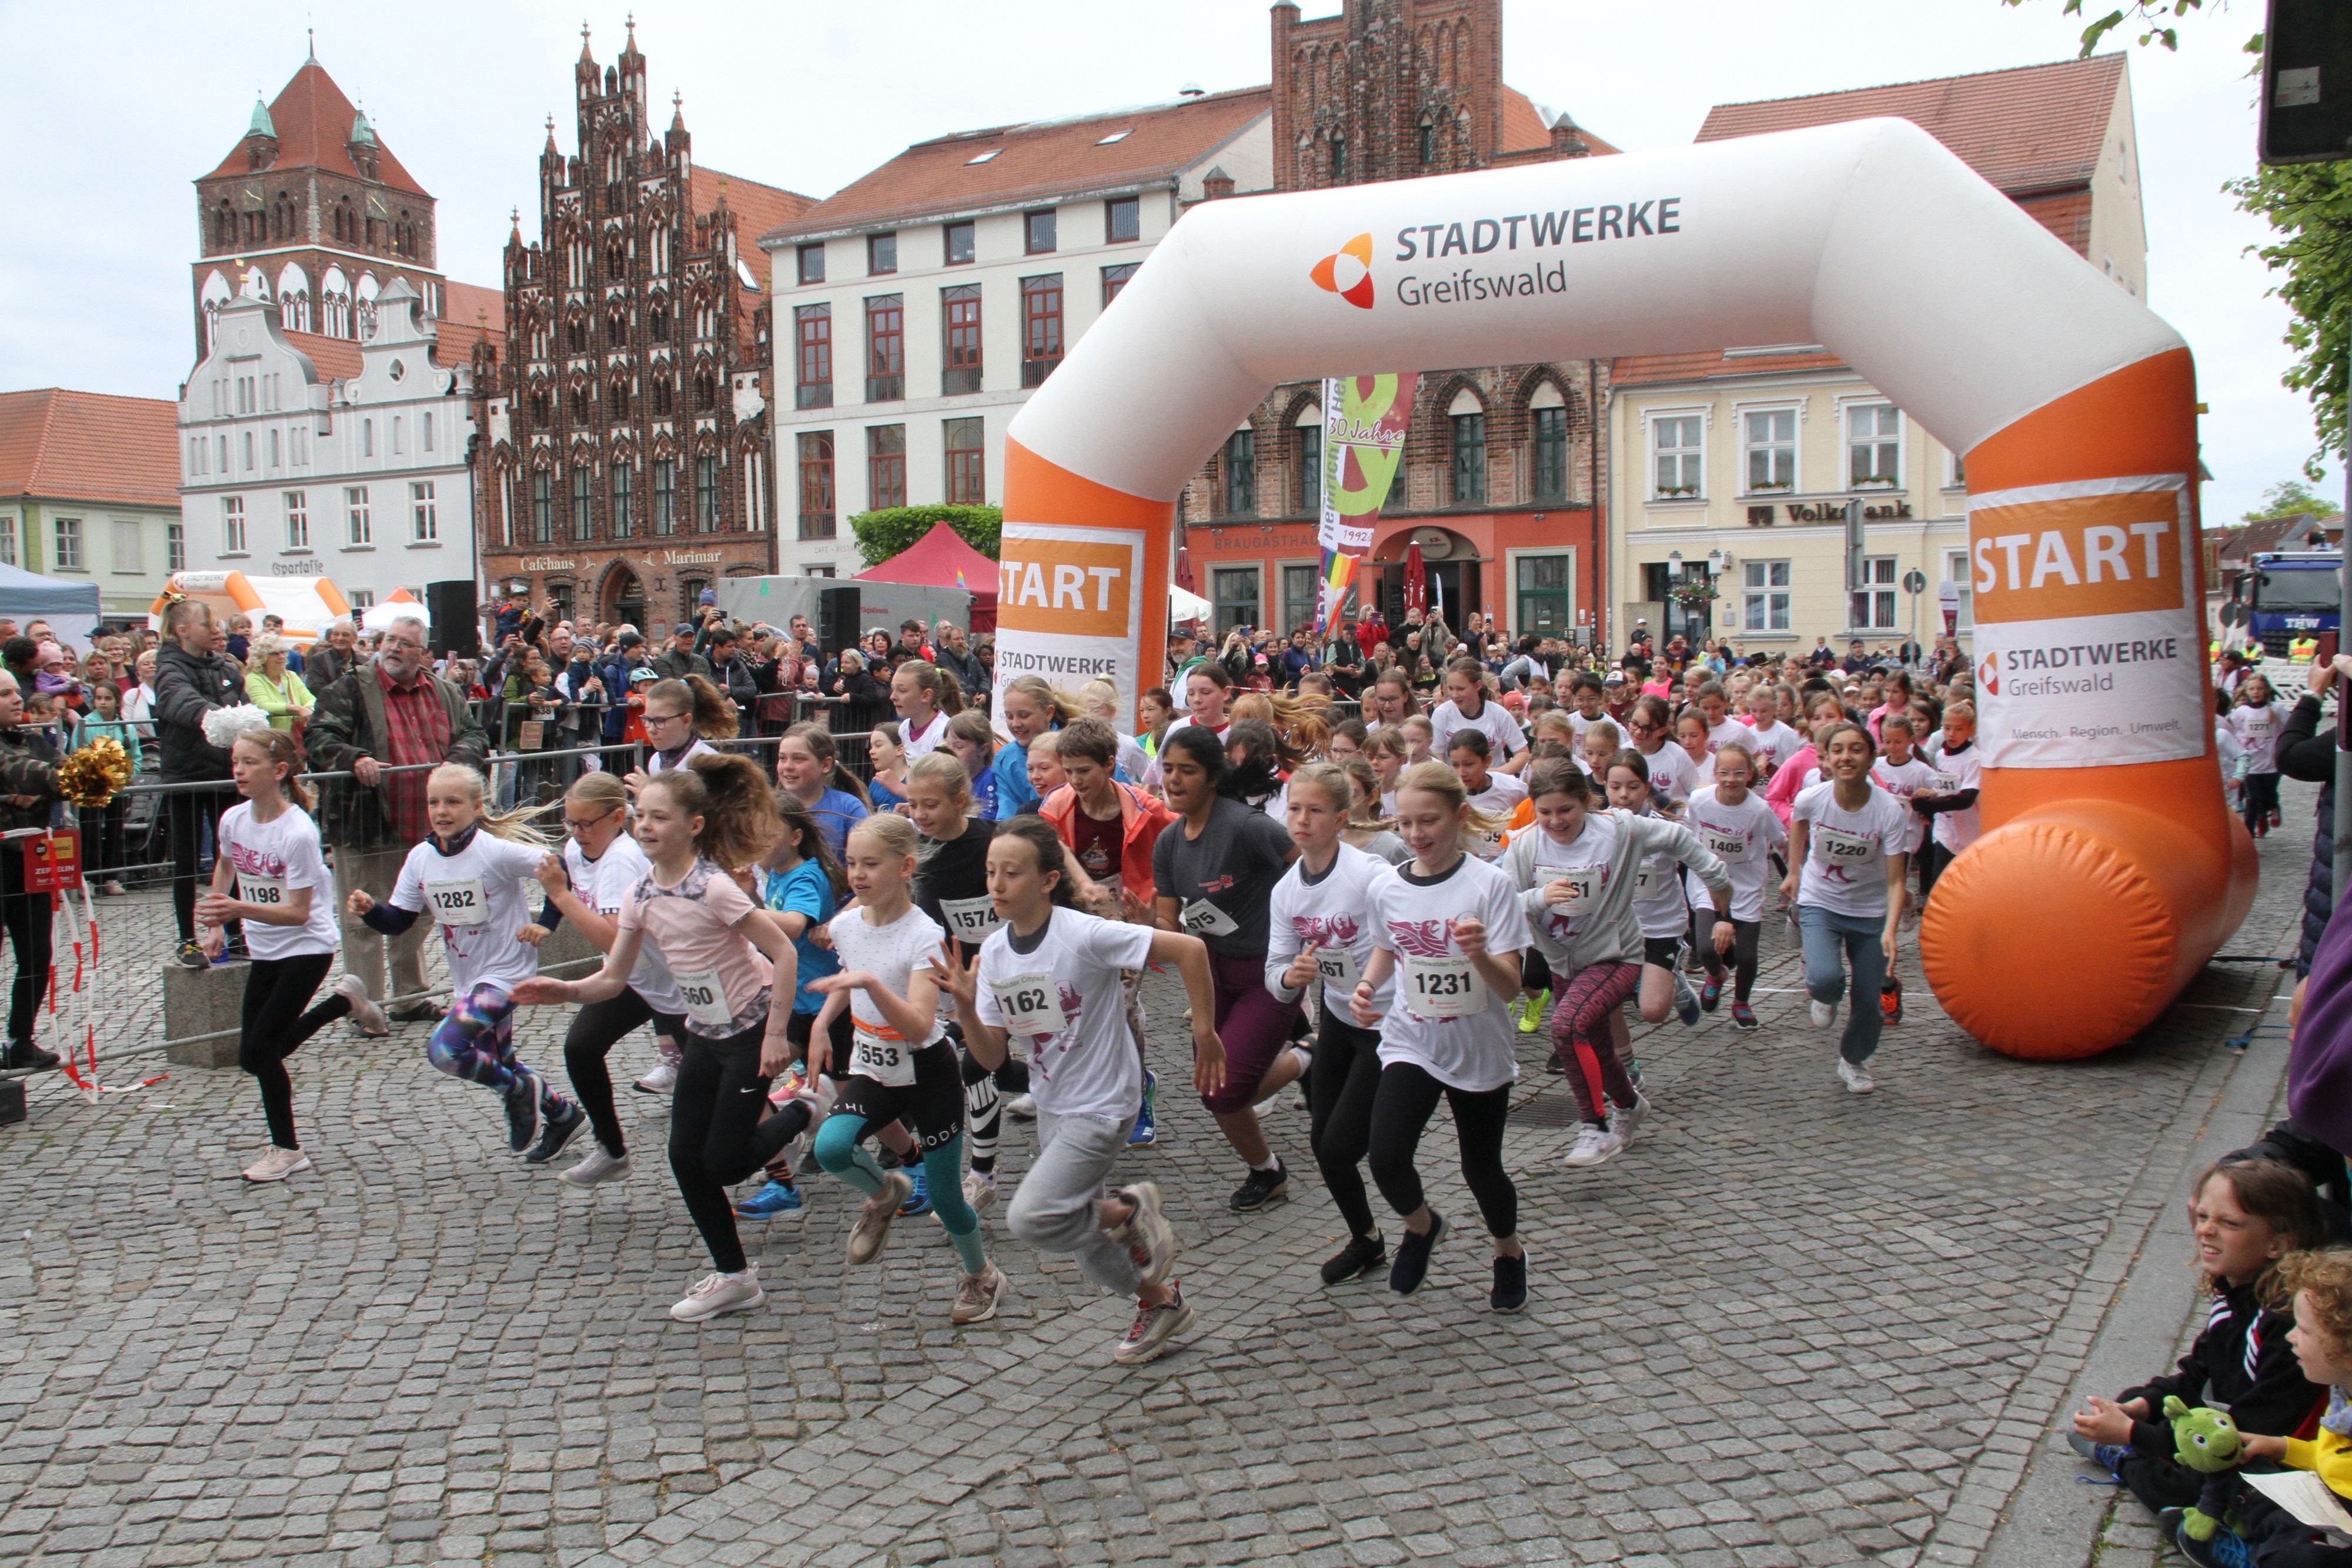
<point x="979" y="1189"/>
<point x="366" y="1017"/>
<point x="1594" y="1146"/>
<point x="1857" y="1077"/>
<point x="660" y="1080"/>
<point x="1022" y="1107"/>
<point x="1626" y="1119"/>
<point x="717" y="1293"/>
<point x="277" y="1165"/>
<point x="1267" y="1106"/>
<point x="1824" y="1014"/>
<point x="598" y="1166"/>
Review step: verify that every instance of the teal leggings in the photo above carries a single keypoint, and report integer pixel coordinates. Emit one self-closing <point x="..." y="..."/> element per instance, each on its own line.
<point x="837" y="1150"/>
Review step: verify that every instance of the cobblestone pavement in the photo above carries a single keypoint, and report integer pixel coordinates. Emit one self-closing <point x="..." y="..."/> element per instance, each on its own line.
<point x="1791" y="1326"/>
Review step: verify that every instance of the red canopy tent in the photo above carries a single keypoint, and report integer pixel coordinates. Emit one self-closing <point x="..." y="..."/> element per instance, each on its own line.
<point x="941" y="559"/>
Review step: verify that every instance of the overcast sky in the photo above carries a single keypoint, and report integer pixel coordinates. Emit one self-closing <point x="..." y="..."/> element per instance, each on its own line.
<point x="123" y="105"/>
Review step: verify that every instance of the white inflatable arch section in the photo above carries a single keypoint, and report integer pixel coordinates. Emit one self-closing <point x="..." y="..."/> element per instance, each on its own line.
<point x="2110" y="871"/>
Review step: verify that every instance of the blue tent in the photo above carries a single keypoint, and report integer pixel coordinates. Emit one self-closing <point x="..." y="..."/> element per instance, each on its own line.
<point x="70" y="607"/>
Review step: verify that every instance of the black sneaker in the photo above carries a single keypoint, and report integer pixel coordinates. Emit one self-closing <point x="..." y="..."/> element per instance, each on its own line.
<point x="1412" y="1254"/>
<point x="522" y="1110"/>
<point x="1262" y="1188"/>
<point x="191" y="956"/>
<point x="1359" y="1257"/>
<point x="557" y="1131"/>
<point x="24" y="1056"/>
<point x="1510" y="1291"/>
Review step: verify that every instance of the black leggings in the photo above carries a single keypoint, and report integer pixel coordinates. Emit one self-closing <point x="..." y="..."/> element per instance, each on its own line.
<point x="1933" y="858"/>
<point x="595" y="1029"/>
<point x="1407" y="1098"/>
<point x="188" y="812"/>
<point x="2259" y="795"/>
<point x="1340" y="1109"/>
<point x="716" y="1136"/>
<point x="1743" y="952"/>
<point x="983" y="1107"/>
<point x="276" y="990"/>
<point x="28" y="920"/>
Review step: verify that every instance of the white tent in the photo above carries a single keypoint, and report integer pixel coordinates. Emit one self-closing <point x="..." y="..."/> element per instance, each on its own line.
<point x="1183" y="606"/>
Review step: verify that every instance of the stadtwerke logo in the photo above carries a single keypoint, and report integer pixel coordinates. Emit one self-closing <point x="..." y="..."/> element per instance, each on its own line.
<point x="1988" y="674"/>
<point x="1351" y="283"/>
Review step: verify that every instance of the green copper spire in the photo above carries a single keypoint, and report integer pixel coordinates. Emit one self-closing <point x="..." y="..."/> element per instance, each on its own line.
<point x="362" y="133"/>
<point x="261" y="125"/>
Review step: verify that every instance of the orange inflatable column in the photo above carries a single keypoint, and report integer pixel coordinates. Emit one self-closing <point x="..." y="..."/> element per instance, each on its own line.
<point x="2110" y="869"/>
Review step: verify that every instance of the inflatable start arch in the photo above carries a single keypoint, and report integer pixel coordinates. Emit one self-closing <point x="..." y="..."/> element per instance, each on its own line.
<point x="2110" y="871"/>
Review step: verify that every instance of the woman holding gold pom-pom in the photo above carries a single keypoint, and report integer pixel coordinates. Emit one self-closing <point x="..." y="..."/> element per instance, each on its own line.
<point x="29" y="793"/>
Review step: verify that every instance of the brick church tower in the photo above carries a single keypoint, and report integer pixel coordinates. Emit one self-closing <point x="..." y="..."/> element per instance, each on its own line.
<point x="623" y="464"/>
<point x="1502" y="465"/>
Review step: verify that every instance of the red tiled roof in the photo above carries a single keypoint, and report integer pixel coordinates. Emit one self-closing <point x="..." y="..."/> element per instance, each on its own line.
<point x="758" y="208"/>
<point x="1644" y="369"/>
<point x="2025" y="128"/>
<point x="1524" y="127"/>
<point x="471" y="306"/>
<point x="314" y="120"/>
<point x="1040" y="158"/>
<point x="61" y="446"/>
<point x="335" y="359"/>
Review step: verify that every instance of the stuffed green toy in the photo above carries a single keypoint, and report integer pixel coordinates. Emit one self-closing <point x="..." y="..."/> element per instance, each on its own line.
<point x="2207" y="1441"/>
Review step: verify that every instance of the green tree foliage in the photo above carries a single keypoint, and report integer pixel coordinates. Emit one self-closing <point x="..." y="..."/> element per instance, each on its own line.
<point x="2156" y="16"/>
<point x="2292" y="497"/>
<point x="2310" y="207"/>
<point x="893" y="530"/>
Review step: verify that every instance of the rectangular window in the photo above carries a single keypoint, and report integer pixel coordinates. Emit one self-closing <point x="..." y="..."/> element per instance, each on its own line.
<point x="1549" y="436"/>
<point x="621" y="505"/>
<point x="1543" y="595"/>
<point x="1955" y="569"/>
<point x="428" y="430"/>
<point x="583" y="514"/>
<point x="1234" y="591"/>
<point x="367" y="442"/>
<point x="1121" y="219"/>
<point x="542" y="508"/>
<point x="357" y="531"/>
<point x="1037" y="232"/>
<point x="967" y="458"/>
<point x="817" y="485"/>
<point x="886" y="465"/>
<point x="298" y="518"/>
<point x="1771" y="437"/>
<point x="886" y="348"/>
<point x="1310" y="469"/>
<point x="961" y="306"/>
<point x="1469" y="459"/>
<point x="812" y="328"/>
<point x="664" y="497"/>
<point x="129" y="546"/>
<point x="1114" y="279"/>
<point x="8" y="539"/>
<point x="361" y="599"/>
<point x="399" y="436"/>
<point x="881" y="253"/>
<point x="1873" y="446"/>
<point x="705" y="495"/>
<point x="1871" y="607"/>
<point x="246" y="438"/>
<point x="1764" y="595"/>
<point x="69" y="557"/>
<point x="175" y="546"/>
<point x="1041" y="328"/>
<point x="1301" y="588"/>
<point x="1676" y="457"/>
<point x="1241" y="473"/>
<point x="958" y="238"/>
<point x="276" y="450"/>
<point x="812" y="260"/>
<point x="424" y="514"/>
<point x="232" y="525"/>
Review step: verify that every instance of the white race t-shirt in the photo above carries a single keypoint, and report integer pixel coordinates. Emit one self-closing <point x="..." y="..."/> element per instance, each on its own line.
<point x="922" y="743"/>
<point x="272" y="859"/>
<point x="891" y="954"/>
<point x="1846" y="851"/>
<point x="2258" y="731"/>
<point x="1334" y="912"/>
<point x="1955" y="771"/>
<point x="1501" y="798"/>
<point x="697" y="746"/>
<point x="1774" y="746"/>
<point x="1588" y="859"/>
<point x="1415" y="918"/>
<point x="1672" y="775"/>
<point x="601" y="883"/>
<point x="1658" y="893"/>
<point x="1903" y="782"/>
<point x="1063" y="998"/>
<point x="1730" y="732"/>
<point x="476" y="898"/>
<point x="1743" y="838"/>
<point x="1503" y="736"/>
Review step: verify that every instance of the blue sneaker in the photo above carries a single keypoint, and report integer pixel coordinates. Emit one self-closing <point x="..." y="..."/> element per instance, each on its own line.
<point x="918" y="1202"/>
<point x="2108" y="1456"/>
<point x="771" y="1202"/>
<point x="1146" y="1131"/>
<point x="2225" y="1549"/>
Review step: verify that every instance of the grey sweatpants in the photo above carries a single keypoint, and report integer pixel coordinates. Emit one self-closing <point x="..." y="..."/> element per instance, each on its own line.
<point x="1054" y="1210"/>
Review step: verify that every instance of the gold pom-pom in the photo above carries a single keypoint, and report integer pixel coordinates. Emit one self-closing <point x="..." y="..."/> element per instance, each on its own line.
<point x="93" y="775"/>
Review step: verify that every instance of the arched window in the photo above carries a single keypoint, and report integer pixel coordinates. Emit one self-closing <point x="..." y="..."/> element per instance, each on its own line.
<point x="616" y="259"/>
<point x="616" y="400"/>
<point x="1428" y="142"/>
<point x="661" y="396"/>
<point x="1468" y="417"/>
<point x="616" y="330"/>
<point x="658" y="323"/>
<point x="538" y="408"/>
<point x="706" y="392"/>
<point x="579" y="334"/>
<point x="1339" y="159"/>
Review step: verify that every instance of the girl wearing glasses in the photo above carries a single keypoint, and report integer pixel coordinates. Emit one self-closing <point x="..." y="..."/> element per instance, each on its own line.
<point x="682" y="719"/>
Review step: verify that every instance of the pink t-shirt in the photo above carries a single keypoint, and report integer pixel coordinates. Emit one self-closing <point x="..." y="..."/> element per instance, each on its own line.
<point x="1781" y="790"/>
<point x="725" y="981"/>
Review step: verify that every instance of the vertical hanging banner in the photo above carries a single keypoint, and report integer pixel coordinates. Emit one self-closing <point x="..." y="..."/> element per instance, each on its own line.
<point x="1364" y="420"/>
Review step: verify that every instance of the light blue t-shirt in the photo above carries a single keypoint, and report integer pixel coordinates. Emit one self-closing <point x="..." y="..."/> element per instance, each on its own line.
<point x="835" y="812"/>
<point x="1011" y="773"/>
<point x="807" y="892"/>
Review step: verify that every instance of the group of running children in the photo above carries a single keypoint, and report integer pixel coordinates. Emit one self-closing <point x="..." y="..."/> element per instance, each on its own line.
<point x="1432" y="880"/>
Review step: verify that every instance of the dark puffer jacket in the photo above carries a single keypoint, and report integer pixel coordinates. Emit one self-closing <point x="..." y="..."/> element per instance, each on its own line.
<point x="188" y="686"/>
<point x="2311" y="757"/>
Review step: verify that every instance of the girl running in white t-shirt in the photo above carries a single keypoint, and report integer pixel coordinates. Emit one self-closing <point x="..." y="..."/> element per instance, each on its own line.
<point x="1740" y="829"/>
<point x="729" y="957"/>
<point x="925" y="697"/>
<point x="1950" y="795"/>
<point x="2256" y="719"/>
<point x="682" y="716"/>
<point x="1494" y="795"/>
<point x="1050" y="975"/>
<point x="285" y="896"/>
<point x="1449" y="929"/>
<point x="1649" y="730"/>
<point x="1467" y="705"/>
<point x="468" y="878"/>
<point x="901" y="1067"/>
<point x="1658" y="907"/>
<point x="1769" y="740"/>
<point x="1846" y="838"/>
